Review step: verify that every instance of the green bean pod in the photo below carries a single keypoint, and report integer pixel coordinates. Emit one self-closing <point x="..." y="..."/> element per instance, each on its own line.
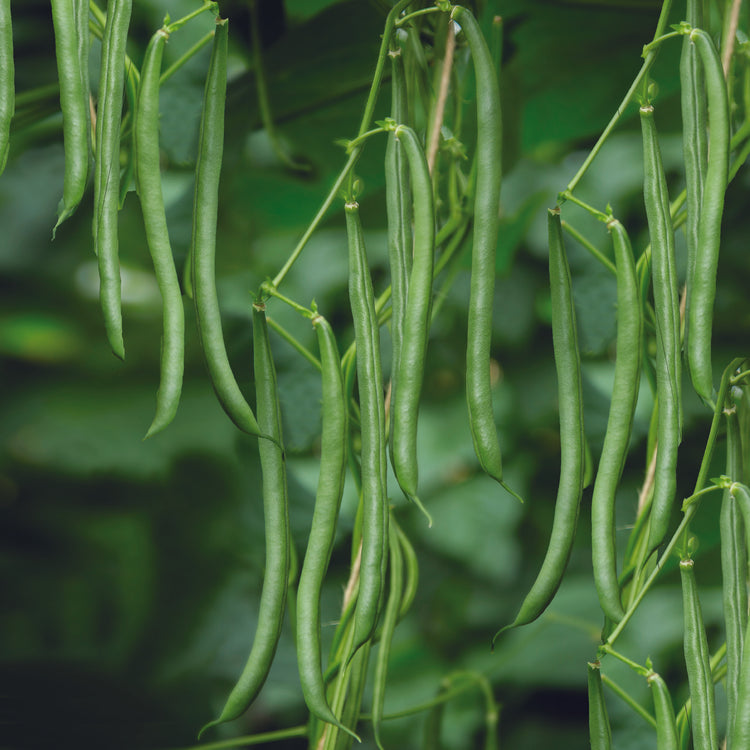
<point x="738" y="732"/>
<point x="619" y="425"/>
<point x="568" y="367"/>
<point x="276" y="513"/>
<point x="666" y="309"/>
<point x="7" y="81"/>
<point x="666" y="727"/>
<point x="70" y="20"/>
<point x="398" y="210"/>
<point x="416" y="324"/>
<point x="148" y="180"/>
<point x="705" y="734"/>
<point x="694" y="140"/>
<point x="702" y="291"/>
<point x="323" y="527"/>
<point x="390" y="618"/>
<point x="203" y="246"/>
<point x="372" y="419"/>
<point x="107" y="168"/>
<point x="486" y="226"/>
<point x="411" y="564"/>
<point x="600" y="733"/>
<point x="734" y="569"/>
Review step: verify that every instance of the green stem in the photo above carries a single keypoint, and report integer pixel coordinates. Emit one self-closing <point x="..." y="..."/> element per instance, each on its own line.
<point x="576" y="235"/>
<point x="212" y="6"/>
<point x="293" y="342"/>
<point x="639" y="669"/>
<point x="177" y="64"/>
<point x="642" y="73"/>
<point x="333" y="193"/>
<point x="269" y="290"/>
<point x="409" y="16"/>
<point x="627" y="698"/>
<point x="566" y="195"/>
<point x="251" y="739"/>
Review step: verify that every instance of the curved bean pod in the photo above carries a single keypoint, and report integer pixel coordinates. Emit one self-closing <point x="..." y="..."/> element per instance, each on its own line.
<point x="568" y="367"/>
<point x="7" y="81"/>
<point x="694" y="141"/>
<point x="70" y="20"/>
<point x="619" y="425"/>
<point x="148" y="181"/>
<point x="702" y="292"/>
<point x="405" y="398"/>
<point x="486" y="226"/>
<point x="203" y="246"/>
<point x="276" y="513"/>
<point x="705" y="734"/>
<point x="107" y="168"/>
<point x="372" y="418"/>
<point x="323" y="527"/>
<point x="666" y="309"/>
<point x="666" y="727"/>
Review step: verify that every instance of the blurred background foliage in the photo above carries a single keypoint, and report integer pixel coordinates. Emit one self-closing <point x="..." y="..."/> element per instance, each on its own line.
<point x="131" y="570"/>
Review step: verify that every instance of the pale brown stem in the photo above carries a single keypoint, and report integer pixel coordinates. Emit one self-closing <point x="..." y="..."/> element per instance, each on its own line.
<point x="445" y="77"/>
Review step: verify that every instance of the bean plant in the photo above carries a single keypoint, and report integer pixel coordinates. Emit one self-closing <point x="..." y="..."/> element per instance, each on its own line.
<point x="435" y="107"/>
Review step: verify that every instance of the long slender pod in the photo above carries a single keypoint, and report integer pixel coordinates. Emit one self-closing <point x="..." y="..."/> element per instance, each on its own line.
<point x="70" y="20"/>
<point x="411" y="579"/>
<point x="372" y="419"/>
<point x="568" y="366"/>
<point x="390" y="619"/>
<point x="702" y="292"/>
<point x="398" y="209"/>
<point x="148" y="181"/>
<point x="705" y="734"/>
<point x="666" y="309"/>
<point x="203" y="247"/>
<point x="486" y="226"/>
<point x="276" y="513"/>
<point x="600" y="732"/>
<point x="666" y="727"/>
<point x="7" y="81"/>
<point x="323" y="526"/>
<point x="694" y="141"/>
<point x="734" y="569"/>
<point x="619" y="425"/>
<point x="739" y="732"/>
<point x="416" y="326"/>
<point x="107" y="168"/>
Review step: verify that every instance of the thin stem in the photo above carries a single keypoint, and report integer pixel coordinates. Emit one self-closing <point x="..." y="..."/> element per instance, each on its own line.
<point x="293" y="342"/>
<point x="177" y="64"/>
<point x="576" y="235"/>
<point x="251" y="739"/>
<point x="268" y="289"/>
<point x="689" y="513"/>
<point x="390" y="23"/>
<point x="405" y="19"/>
<point x="647" y="63"/>
<point x="638" y="668"/>
<point x="170" y="27"/>
<point x="620" y="693"/>
<point x="334" y="191"/>
<point x="568" y="196"/>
